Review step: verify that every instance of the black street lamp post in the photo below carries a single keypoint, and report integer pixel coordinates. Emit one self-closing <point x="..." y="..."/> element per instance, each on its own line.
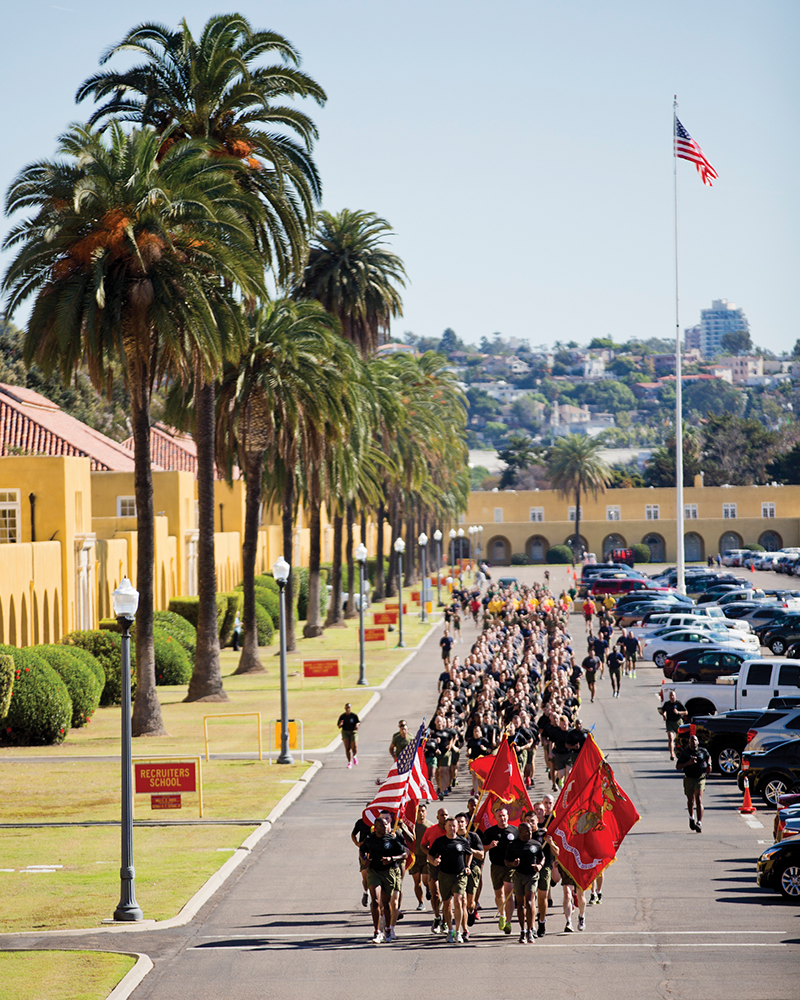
<point x="280" y="571"/>
<point x="361" y="559"/>
<point x="400" y="547"/>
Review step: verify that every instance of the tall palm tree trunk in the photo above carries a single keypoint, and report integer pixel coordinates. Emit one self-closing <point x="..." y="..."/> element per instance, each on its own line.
<point x="250" y="661"/>
<point x="350" y="611"/>
<point x="206" y="682"/>
<point x="313" y="625"/>
<point x="391" y="576"/>
<point x="146" y="717"/>
<point x="335" y="614"/>
<point x="576" y="548"/>
<point x="287" y="523"/>
<point x="411" y="547"/>
<point x="380" y="575"/>
<point x="363" y="527"/>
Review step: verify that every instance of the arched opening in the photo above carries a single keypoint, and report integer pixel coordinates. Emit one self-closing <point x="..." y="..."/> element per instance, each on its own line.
<point x="771" y="541"/>
<point x="56" y="618"/>
<point x="729" y="540"/>
<point x="461" y="546"/>
<point x="46" y="617"/>
<point x="35" y="618"/>
<point x="24" y="622"/>
<point x="536" y="548"/>
<point x="499" y="550"/>
<point x="12" y="623"/>
<point x="655" y="543"/>
<point x="611" y="542"/>
<point x="693" y="547"/>
<point x="570" y="541"/>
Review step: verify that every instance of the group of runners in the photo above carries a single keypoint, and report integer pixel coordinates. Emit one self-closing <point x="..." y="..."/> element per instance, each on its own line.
<point x="520" y="679"/>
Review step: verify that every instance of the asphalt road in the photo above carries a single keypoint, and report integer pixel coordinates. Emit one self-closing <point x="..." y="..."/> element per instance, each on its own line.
<point x="681" y="915"/>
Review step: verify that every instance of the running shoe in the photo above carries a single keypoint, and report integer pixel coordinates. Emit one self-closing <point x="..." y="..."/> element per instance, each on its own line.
<point x="581" y="923"/>
<point x="471" y="918"/>
<point x="477" y="915"/>
<point x="401" y="915"/>
<point x="392" y="935"/>
<point x="523" y="937"/>
<point x="465" y="935"/>
<point x="592" y="899"/>
<point x="427" y="893"/>
<point x="501" y="921"/>
<point x="599" y="897"/>
<point x="420" y="907"/>
<point x="436" y="924"/>
<point x="355" y="761"/>
<point x="377" y="938"/>
<point x="531" y="937"/>
<point x="540" y="928"/>
<point x="692" y="824"/>
<point x="568" y="928"/>
<point x="698" y="826"/>
<point x="451" y="937"/>
<point x="364" y="898"/>
<point x="459" y="938"/>
<point x="349" y="764"/>
<point x="507" y="927"/>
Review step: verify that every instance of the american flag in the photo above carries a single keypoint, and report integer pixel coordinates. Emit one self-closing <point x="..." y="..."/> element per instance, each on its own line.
<point x="687" y="149"/>
<point x="406" y="782"/>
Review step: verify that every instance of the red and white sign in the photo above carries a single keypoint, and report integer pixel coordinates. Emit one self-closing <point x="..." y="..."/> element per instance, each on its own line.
<point x="169" y="776"/>
<point x="320" y="668"/>
<point x="385" y="617"/>
<point x="375" y="634"/>
<point x="165" y="802"/>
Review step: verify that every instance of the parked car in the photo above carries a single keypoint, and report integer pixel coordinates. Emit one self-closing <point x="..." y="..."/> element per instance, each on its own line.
<point x="781" y="634"/>
<point x="757" y="683"/>
<point x="778" y="868"/>
<point x="790" y="599"/>
<point x="652" y="622"/>
<point x="704" y="666"/>
<point x="659" y="647"/>
<point x="630" y="614"/>
<point x="766" y="560"/>
<point x="724" y="591"/>
<point x="757" y="614"/>
<point x="764" y="735"/>
<point x="786" y="562"/>
<point x="603" y="585"/>
<point x="747" y="596"/>
<point x="724" y="736"/>
<point x="734" y="557"/>
<point x="772" y="772"/>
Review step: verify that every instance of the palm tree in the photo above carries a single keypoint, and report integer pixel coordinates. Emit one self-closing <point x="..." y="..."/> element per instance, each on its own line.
<point x="261" y="406"/>
<point x="575" y="469"/>
<point x="128" y="254"/>
<point x="212" y="89"/>
<point x="351" y="273"/>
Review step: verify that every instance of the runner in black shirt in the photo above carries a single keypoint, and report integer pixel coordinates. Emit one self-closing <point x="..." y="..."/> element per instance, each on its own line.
<point x="526" y="857"/>
<point x="360" y="833"/>
<point x="384" y="855"/>
<point x="496" y="839"/>
<point x="695" y="763"/>
<point x="348" y="723"/>
<point x="451" y="855"/>
<point x="591" y="665"/>
<point x="672" y="711"/>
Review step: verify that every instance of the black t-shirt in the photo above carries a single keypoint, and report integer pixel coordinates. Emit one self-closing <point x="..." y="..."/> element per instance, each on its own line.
<point x="631" y="644"/>
<point x="348" y="721"/>
<point x="478" y="748"/>
<point x="591" y="665"/>
<point x="615" y="659"/>
<point x="375" y="849"/>
<point x="694" y="764"/>
<point x="361" y="830"/>
<point x="672" y="710"/>
<point x="475" y="842"/>
<point x="559" y="738"/>
<point x="454" y="854"/>
<point x="497" y="855"/>
<point x="530" y="854"/>
<point x="446" y="642"/>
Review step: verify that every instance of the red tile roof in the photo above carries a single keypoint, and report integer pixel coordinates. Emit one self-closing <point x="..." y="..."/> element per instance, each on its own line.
<point x="34" y="425"/>
<point x="171" y="449"/>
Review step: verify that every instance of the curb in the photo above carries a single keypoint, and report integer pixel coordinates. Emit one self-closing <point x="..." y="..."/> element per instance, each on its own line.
<point x="131" y="980"/>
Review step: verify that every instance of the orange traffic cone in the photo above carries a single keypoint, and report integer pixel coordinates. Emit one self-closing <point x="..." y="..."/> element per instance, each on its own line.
<point x="747" y="806"/>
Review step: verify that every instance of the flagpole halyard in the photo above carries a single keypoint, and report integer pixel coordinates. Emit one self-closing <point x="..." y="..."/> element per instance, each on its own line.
<point x="680" y="564"/>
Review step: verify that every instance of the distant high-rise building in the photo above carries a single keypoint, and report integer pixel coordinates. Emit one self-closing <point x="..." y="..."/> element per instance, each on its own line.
<point x="691" y="338"/>
<point x="723" y="317"/>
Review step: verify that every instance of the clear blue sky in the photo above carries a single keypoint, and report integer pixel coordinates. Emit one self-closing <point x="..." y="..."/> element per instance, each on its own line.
<point x="522" y="151"/>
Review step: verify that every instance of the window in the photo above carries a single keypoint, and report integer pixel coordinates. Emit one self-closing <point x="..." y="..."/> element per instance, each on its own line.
<point x="651" y="512"/>
<point x="690" y="511"/>
<point x="462" y="518"/>
<point x="789" y="675"/>
<point x="537" y="513"/>
<point x="612" y="514"/>
<point x="760" y="674"/>
<point x="9" y="517"/>
<point x="768" y="510"/>
<point x="571" y="514"/>
<point x="729" y="510"/>
<point x="126" y="506"/>
<point x="498" y="515"/>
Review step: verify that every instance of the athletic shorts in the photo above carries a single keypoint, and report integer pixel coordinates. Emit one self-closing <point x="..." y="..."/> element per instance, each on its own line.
<point x="349" y="735"/>
<point x="545" y="877"/>
<point x="450" y="885"/>
<point x="522" y="758"/>
<point x="389" y="879"/>
<point x="614" y="671"/>
<point x="420" y="866"/>
<point x="560" y="760"/>
<point x="446" y="759"/>
<point x="433" y="873"/>
<point x="672" y="726"/>
<point x="567" y="879"/>
<point x="500" y="874"/>
<point x="432" y="763"/>
<point x="524" y="882"/>
<point x="473" y="879"/>
<point x="692" y="785"/>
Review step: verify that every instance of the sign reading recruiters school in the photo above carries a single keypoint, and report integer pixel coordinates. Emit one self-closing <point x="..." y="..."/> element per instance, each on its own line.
<point x="168" y="776"/>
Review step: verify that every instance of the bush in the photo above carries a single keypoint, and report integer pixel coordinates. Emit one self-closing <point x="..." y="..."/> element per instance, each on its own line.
<point x="84" y="688"/>
<point x="264" y="625"/>
<point x="188" y="607"/>
<point x="92" y="663"/>
<point x="179" y="628"/>
<point x="641" y="553"/>
<point x="755" y="547"/>
<point x="6" y="682"/>
<point x="267" y="580"/>
<point x="520" y="559"/>
<point x="300" y="574"/>
<point x="172" y="662"/>
<point x="106" y="647"/>
<point x="270" y="602"/>
<point x="559" y="554"/>
<point x="40" y="710"/>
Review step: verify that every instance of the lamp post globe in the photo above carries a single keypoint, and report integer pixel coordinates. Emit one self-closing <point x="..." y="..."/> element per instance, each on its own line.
<point x="400" y="547"/>
<point x="125" y="601"/>
<point x="437" y="537"/>
<point x="280" y="571"/>
<point x="361" y="559"/>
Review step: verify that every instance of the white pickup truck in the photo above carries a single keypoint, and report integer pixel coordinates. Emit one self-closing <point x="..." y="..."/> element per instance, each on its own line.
<point x="757" y="682"/>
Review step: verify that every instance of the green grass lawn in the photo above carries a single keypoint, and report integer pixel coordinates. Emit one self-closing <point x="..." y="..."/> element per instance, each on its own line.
<point x="56" y="975"/>
<point x="172" y="862"/>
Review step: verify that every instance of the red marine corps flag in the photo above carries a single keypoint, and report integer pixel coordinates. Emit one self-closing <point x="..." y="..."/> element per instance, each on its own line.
<point x="503" y="785"/>
<point x="591" y="817"/>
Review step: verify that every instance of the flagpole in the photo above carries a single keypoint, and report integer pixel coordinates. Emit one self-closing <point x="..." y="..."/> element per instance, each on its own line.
<point x="483" y="794"/>
<point x="680" y="565"/>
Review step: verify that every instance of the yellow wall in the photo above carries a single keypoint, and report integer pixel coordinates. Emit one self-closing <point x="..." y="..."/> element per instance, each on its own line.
<point x="506" y="518"/>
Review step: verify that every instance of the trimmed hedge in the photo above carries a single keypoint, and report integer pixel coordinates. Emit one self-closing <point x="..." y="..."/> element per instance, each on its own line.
<point x="641" y="553"/>
<point x="264" y="626"/>
<point x="188" y="608"/>
<point x="179" y="628"/>
<point x="86" y="658"/>
<point x="267" y="580"/>
<point x="40" y="710"/>
<point x="6" y="682"/>
<point x="559" y="554"/>
<point x="106" y="646"/>
<point x="172" y="661"/>
<point x="270" y="602"/>
<point x="521" y="559"/>
<point x="84" y="688"/>
<point x="301" y="579"/>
